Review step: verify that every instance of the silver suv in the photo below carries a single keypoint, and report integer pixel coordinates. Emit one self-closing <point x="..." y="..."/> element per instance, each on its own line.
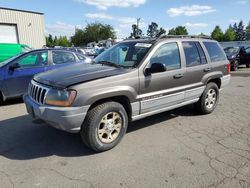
<point x="132" y="80"/>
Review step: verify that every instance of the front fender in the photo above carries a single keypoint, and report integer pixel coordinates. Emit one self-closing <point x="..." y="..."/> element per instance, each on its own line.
<point x="90" y="97"/>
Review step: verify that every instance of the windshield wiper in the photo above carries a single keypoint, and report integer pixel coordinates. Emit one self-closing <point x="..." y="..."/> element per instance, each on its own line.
<point x="109" y="64"/>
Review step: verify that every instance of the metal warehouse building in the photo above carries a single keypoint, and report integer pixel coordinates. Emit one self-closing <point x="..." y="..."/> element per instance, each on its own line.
<point x="23" y="27"/>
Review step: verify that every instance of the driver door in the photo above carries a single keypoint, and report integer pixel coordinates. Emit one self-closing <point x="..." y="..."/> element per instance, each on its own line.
<point x="17" y="80"/>
<point x="163" y="89"/>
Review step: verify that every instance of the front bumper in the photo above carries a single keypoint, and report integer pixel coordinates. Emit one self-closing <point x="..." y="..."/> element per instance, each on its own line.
<point x="68" y="119"/>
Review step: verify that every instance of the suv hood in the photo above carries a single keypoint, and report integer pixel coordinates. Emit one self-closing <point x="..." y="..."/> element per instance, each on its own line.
<point x="78" y="73"/>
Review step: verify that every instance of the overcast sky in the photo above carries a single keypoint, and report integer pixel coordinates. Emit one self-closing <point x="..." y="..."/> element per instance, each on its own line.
<point x="62" y="17"/>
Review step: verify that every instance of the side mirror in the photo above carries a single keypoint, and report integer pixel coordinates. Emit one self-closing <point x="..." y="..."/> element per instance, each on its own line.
<point x="155" y="68"/>
<point x="14" y="66"/>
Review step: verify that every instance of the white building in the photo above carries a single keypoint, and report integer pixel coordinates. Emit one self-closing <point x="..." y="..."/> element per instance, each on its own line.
<point x="23" y="27"/>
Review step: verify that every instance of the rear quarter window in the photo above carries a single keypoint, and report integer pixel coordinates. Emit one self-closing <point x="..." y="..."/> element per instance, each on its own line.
<point x="215" y="52"/>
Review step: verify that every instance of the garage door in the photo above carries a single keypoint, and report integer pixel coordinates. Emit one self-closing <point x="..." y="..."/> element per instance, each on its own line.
<point x="8" y="34"/>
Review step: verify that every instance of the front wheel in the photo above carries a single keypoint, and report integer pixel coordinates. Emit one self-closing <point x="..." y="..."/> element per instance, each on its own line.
<point x="104" y="126"/>
<point x="209" y="99"/>
<point x="247" y="65"/>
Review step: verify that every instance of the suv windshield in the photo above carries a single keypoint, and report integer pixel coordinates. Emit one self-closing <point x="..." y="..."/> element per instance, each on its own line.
<point x="126" y="54"/>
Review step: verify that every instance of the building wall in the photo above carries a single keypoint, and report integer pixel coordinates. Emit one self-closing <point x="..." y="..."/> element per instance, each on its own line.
<point x="30" y="26"/>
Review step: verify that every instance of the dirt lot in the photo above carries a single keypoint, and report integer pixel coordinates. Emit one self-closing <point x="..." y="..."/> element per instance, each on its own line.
<point x="173" y="149"/>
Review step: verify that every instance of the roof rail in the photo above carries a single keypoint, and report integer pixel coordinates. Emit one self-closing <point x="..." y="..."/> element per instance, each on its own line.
<point x="184" y="36"/>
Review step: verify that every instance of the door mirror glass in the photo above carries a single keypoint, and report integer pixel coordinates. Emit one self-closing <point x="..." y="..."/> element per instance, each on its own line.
<point x="155" y="68"/>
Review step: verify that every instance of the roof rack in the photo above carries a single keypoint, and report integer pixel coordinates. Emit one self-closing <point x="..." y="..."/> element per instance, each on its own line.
<point x="184" y="36"/>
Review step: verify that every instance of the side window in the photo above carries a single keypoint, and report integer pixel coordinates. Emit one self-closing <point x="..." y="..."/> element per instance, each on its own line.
<point x="81" y="57"/>
<point x="167" y="54"/>
<point x="34" y="60"/>
<point x="191" y="54"/>
<point x="62" y="57"/>
<point x="201" y="52"/>
<point x="215" y="52"/>
<point x="247" y="50"/>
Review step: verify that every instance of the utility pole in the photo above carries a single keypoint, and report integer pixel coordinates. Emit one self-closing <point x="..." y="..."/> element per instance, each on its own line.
<point x="137" y="26"/>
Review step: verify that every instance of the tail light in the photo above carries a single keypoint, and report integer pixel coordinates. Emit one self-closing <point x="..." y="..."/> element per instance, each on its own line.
<point x="228" y="68"/>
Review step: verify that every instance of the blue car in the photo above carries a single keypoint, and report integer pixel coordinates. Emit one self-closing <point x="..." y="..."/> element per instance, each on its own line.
<point x="16" y="73"/>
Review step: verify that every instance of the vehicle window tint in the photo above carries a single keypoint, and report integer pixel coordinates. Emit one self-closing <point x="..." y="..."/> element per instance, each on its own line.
<point x="167" y="54"/>
<point x="62" y="57"/>
<point x="191" y="54"/>
<point x="247" y="50"/>
<point x="201" y="53"/>
<point x="214" y="51"/>
<point x="34" y="60"/>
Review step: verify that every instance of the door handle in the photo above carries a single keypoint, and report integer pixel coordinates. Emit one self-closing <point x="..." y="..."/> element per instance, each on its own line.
<point x="177" y="76"/>
<point x="207" y="69"/>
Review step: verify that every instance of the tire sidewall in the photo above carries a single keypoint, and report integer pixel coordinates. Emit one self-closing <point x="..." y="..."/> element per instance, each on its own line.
<point x="210" y="86"/>
<point x="111" y="107"/>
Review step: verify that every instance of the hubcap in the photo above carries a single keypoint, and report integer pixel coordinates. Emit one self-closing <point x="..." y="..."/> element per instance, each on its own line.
<point x="210" y="98"/>
<point x="109" y="127"/>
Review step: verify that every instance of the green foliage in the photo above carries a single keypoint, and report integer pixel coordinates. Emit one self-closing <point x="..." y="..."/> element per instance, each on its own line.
<point x="61" y="41"/>
<point x="217" y="34"/>
<point x="93" y="32"/>
<point x="153" y="30"/>
<point x="240" y="31"/>
<point x="248" y="28"/>
<point x="179" y="30"/>
<point x="161" y="32"/>
<point x="136" y="32"/>
<point x="229" y="34"/>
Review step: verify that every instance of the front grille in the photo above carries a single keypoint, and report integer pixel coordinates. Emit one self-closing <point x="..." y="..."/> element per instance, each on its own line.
<point x="37" y="92"/>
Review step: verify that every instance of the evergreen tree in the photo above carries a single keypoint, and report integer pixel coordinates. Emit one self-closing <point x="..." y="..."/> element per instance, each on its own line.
<point x="217" y="33"/>
<point x="229" y="34"/>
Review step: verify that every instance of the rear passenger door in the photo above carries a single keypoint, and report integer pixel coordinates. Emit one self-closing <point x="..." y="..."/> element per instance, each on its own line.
<point x="196" y="67"/>
<point x="163" y="89"/>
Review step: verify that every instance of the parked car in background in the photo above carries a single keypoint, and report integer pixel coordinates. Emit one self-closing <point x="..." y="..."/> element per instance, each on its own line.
<point x="129" y="81"/>
<point x="238" y="56"/>
<point x="16" y="73"/>
<point x="9" y="50"/>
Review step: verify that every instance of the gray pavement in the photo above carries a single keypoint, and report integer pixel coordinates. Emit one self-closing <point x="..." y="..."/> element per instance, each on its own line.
<point x="173" y="149"/>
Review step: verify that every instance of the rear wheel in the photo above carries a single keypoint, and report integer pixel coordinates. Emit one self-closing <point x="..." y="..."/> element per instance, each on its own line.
<point x="247" y="65"/>
<point x="235" y="65"/>
<point x="104" y="126"/>
<point x="209" y="99"/>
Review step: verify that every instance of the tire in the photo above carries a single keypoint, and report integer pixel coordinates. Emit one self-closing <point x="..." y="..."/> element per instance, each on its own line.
<point x="247" y="65"/>
<point x="104" y="126"/>
<point x="235" y="66"/>
<point x="209" y="99"/>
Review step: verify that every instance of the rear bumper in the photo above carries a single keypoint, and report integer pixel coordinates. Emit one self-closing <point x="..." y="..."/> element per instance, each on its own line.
<point x="67" y="119"/>
<point x="225" y="80"/>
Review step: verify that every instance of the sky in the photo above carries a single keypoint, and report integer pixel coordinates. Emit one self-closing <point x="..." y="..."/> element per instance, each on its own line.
<point x="63" y="16"/>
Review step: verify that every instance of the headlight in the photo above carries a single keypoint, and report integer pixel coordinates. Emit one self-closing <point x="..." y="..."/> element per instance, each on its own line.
<point x="60" y="97"/>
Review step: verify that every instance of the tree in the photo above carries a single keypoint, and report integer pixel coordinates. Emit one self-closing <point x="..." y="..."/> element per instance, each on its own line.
<point x="248" y="27"/>
<point x="63" y="41"/>
<point x="93" y="32"/>
<point x="179" y="30"/>
<point x="217" y="33"/>
<point x="136" y="32"/>
<point x="240" y="32"/>
<point x="229" y="34"/>
<point x="152" y="29"/>
<point x="161" y="32"/>
<point x="49" y="41"/>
